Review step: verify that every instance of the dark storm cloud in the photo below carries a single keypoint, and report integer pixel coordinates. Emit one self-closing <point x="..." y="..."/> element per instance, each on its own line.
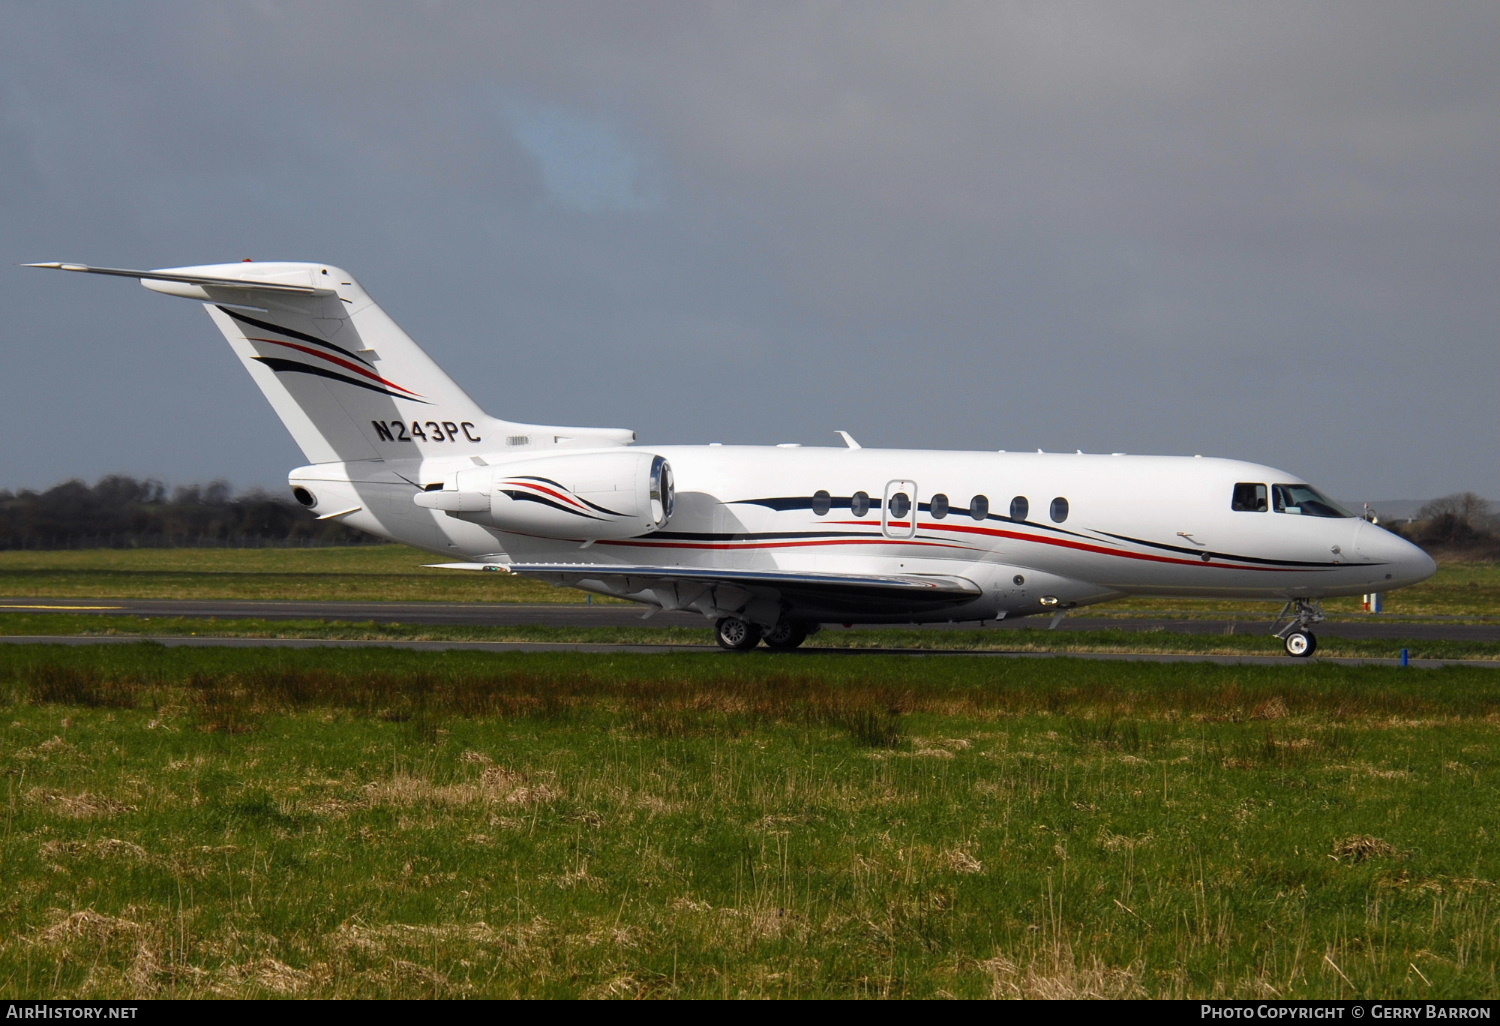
<point x="1263" y="230"/>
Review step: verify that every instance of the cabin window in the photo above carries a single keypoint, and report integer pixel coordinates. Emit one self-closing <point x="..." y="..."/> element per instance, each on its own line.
<point x="900" y="505"/>
<point x="1019" y="508"/>
<point x="979" y="507"/>
<point x="1305" y="501"/>
<point x="859" y="505"/>
<point x="1059" y="510"/>
<point x="822" y="502"/>
<point x="1249" y="497"/>
<point x="938" y="506"/>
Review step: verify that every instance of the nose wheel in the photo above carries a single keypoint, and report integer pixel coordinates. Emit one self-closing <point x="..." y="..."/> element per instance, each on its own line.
<point x="1294" y="625"/>
<point x="1300" y="644"/>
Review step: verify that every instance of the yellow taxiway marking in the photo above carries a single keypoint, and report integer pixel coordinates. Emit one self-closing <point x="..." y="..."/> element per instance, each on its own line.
<point x="2" y="606"/>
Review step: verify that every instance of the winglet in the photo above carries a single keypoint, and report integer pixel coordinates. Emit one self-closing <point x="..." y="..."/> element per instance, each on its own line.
<point x="848" y="440"/>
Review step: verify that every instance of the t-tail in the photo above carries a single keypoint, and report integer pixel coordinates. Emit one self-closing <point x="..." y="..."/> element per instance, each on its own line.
<point x="343" y="377"/>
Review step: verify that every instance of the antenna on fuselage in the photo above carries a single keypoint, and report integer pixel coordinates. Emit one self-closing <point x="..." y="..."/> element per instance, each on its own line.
<point x="848" y="439"/>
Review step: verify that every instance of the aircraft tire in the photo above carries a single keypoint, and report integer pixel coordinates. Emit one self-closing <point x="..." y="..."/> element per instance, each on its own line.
<point x="736" y="635"/>
<point x="1301" y="644"/>
<point x="785" y="636"/>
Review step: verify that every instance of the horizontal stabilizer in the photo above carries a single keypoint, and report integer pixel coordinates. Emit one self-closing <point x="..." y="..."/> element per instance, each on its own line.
<point x="257" y="284"/>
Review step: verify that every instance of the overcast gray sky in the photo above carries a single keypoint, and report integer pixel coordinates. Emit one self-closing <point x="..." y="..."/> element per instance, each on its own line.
<point x="1262" y="230"/>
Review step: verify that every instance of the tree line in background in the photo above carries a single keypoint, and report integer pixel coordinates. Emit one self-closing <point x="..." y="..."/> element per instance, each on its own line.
<point x="121" y="512"/>
<point x="1461" y="526"/>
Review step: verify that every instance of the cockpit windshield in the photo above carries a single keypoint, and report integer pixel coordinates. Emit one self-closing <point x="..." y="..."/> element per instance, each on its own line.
<point x="1306" y="501"/>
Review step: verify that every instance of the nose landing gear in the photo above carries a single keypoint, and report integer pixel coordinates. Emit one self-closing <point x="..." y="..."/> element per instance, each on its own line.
<point x="1293" y="627"/>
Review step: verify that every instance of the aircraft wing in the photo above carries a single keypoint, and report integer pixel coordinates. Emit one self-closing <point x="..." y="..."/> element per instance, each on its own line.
<point x="724" y="592"/>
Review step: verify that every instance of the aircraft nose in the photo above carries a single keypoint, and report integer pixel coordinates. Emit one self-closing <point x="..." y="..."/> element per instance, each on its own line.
<point x="1403" y="562"/>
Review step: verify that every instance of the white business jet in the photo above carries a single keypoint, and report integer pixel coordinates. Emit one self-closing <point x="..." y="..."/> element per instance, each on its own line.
<point x="767" y="542"/>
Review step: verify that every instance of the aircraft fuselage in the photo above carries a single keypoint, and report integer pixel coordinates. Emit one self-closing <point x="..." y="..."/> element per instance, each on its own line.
<point x="1036" y="532"/>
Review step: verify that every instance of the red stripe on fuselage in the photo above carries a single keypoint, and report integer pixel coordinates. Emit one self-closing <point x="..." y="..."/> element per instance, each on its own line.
<point x="1084" y="547"/>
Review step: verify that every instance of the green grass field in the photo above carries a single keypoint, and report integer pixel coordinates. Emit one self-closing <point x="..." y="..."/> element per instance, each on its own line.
<point x="188" y="823"/>
<point x="1466" y="590"/>
<point x="365" y="573"/>
<point x="396" y="573"/>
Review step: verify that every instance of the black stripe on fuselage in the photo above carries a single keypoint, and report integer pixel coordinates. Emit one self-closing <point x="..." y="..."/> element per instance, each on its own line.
<point x="278" y="364"/>
<point x="291" y="333"/>
<point x="1200" y="553"/>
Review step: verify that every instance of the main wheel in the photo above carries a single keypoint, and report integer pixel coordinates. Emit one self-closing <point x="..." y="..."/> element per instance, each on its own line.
<point x="785" y="636"/>
<point x="1301" y="644"/>
<point x="736" y="635"/>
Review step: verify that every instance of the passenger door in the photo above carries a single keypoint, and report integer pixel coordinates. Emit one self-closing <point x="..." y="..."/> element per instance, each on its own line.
<point x="898" y="513"/>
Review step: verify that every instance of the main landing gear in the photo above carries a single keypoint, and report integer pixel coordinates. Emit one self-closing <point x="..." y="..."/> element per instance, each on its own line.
<point x="1298" y="615"/>
<point x="739" y="635"/>
<point x="786" y="636"/>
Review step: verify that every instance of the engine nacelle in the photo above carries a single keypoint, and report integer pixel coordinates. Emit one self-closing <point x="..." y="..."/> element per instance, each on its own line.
<point x="619" y="494"/>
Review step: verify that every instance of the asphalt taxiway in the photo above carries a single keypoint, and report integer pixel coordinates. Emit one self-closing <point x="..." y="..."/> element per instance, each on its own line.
<point x="178" y="641"/>
<point x="581" y="615"/>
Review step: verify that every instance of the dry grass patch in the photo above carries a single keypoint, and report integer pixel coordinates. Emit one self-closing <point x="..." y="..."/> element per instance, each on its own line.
<point x="757" y="925"/>
<point x="962" y="862"/>
<point x="122" y="955"/>
<point x="1364" y="769"/>
<point x="83" y="805"/>
<point x="54" y="746"/>
<point x="496" y="785"/>
<point x="1271" y="709"/>
<point x="1119" y="842"/>
<point x="378" y="939"/>
<point x="1059" y="975"/>
<point x="87" y="925"/>
<point x="106" y="848"/>
<point x="263" y="974"/>
<point x="1362" y="847"/>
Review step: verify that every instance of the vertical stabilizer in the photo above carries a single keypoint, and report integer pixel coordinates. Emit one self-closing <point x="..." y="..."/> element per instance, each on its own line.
<point x="343" y="377"/>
